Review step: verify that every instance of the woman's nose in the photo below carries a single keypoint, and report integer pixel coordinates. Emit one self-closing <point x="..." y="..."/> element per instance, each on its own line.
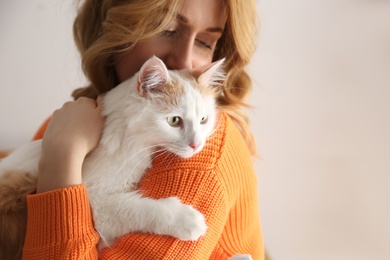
<point x="181" y="56"/>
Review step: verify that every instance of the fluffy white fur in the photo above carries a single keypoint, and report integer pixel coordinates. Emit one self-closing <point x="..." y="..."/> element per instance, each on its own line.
<point x="136" y="127"/>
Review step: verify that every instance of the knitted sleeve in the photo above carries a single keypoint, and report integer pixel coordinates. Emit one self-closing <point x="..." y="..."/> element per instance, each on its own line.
<point x="59" y="226"/>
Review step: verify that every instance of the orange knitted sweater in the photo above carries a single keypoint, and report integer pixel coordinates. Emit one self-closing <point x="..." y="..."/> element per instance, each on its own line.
<point x="219" y="181"/>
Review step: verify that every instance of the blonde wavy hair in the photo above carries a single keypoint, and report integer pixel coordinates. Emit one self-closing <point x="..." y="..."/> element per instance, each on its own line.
<point x="104" y="29"/>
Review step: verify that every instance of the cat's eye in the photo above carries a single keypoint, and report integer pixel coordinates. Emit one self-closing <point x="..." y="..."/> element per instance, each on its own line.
<point x="204" y="120"/>
<point x="174" y="120"/>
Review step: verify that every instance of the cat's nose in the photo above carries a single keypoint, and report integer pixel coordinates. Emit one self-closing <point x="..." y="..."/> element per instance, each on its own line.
<point x="194" y="145"/>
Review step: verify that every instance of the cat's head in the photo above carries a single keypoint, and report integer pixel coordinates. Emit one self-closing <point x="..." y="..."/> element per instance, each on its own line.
<point x="180" y="108"/>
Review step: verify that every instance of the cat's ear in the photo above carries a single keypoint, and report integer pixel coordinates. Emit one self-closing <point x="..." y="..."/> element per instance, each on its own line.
<point x="152" y="75"/>
<point x="211" y="74"/>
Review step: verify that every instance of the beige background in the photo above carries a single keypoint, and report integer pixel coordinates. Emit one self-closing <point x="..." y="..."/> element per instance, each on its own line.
<point x="321" y="114"/>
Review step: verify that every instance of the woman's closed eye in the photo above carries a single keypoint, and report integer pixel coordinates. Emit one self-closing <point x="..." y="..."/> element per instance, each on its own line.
<point x="175" y="33"/>
<point x="204" y="44"/>
<point x="169" y="33"/>
<point x="207" y="40"/>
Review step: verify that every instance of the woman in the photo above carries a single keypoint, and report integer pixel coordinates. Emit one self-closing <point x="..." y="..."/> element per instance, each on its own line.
<point x="114" y="39"/>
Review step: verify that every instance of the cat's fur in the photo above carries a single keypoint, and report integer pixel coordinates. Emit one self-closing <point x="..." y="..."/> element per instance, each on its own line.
<point x="139" y="116"/>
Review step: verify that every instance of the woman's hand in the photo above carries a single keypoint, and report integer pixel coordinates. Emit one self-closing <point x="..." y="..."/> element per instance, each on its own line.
<point x="74" y="130"/>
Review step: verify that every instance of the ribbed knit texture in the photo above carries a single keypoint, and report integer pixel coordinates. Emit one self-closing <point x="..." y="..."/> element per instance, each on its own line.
<point x="219" y="181"/>
<point x="60" y="226"/>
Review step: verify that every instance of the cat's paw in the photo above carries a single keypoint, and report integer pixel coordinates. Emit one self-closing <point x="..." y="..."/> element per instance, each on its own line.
<point x="187" y="223"/>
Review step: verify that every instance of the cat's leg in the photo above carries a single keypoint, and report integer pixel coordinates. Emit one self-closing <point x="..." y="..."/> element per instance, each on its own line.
<point x="118" y="214"/>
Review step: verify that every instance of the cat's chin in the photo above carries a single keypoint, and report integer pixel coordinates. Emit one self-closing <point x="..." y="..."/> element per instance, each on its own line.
<point x="184" y="154"/>
<point x="188" y="154"/>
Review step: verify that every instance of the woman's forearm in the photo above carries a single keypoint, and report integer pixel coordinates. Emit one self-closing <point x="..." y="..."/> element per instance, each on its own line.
<point x="59" y="171"/>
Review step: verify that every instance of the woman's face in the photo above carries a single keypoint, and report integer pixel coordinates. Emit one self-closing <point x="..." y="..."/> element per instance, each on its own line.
<point x="188" y="42"/>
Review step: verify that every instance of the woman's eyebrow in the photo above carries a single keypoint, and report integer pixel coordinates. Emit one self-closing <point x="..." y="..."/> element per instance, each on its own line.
<point x="184" y="19"/>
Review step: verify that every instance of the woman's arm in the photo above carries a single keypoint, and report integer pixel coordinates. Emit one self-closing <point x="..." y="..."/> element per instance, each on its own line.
<point x="59" y="221"/>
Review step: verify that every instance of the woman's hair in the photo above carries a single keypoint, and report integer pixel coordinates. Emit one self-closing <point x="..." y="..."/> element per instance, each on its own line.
<point x="104" y="29"/>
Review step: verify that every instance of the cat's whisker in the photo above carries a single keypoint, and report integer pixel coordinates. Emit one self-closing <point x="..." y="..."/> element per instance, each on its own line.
<point x="215" y="129"/>
<point x="167" y="155"/>
<point x="136" y="154"/>
<point x="164" y="152"/>
<point x="149" y="156"/>
<point x="170" y="161"/>
<point x="157" y="151"/>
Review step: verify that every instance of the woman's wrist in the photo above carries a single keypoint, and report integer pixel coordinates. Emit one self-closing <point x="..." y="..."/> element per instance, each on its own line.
<point x="57" y="171"/>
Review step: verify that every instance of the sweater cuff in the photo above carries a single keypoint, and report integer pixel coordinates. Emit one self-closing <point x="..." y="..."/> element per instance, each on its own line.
<point x="59" y="216"/>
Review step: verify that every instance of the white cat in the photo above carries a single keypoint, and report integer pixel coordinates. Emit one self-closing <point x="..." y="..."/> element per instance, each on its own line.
<point x="155" y="110"/>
